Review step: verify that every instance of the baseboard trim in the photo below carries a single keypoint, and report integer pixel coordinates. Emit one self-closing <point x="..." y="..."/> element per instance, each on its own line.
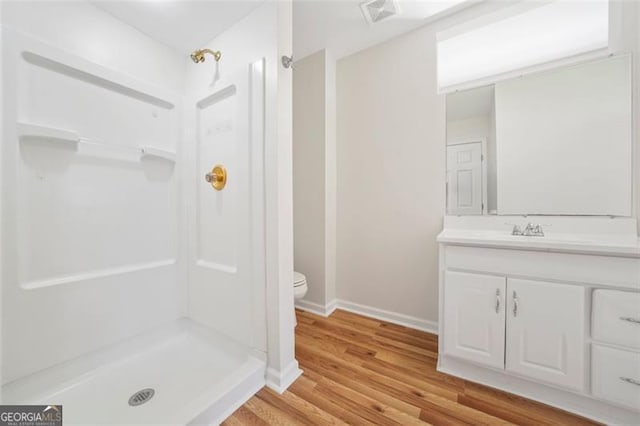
<point x="388" y="316"/>
<point x="368" y="311"/>
<point x="316" y="308"/>
<point x="279" y="381"/>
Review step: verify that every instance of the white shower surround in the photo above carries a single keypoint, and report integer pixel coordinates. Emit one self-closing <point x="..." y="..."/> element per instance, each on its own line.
<point x="96" y="226"/>
<point x="159" y="73"/>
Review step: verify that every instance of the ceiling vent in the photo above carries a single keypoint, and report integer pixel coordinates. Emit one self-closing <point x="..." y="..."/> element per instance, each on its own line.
<point x="379" y="10"/>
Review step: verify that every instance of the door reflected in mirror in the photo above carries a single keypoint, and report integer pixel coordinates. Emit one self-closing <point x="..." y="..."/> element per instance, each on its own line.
<point x="471" y="168"/>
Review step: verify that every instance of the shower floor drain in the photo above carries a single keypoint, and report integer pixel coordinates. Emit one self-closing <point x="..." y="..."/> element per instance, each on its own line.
<point x="141" y="397"/>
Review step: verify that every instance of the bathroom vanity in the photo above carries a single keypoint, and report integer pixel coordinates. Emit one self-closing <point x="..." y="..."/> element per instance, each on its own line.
<point x="554" y="318"/>
<point x="540" y="281"/>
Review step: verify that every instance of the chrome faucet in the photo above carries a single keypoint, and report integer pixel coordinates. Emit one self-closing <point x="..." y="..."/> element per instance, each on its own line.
<point x="516" y="230"/>
<point x="532" y="230"/>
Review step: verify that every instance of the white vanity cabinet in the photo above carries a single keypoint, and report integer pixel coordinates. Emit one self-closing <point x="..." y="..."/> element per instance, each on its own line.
<point x="546" y="332"/>
<point x="559" y="324"/>
<point x="474" y="317"/>
<point x="531" y="328"/>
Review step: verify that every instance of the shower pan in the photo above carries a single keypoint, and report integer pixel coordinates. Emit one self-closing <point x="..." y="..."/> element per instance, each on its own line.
<point x="133" y="213"/>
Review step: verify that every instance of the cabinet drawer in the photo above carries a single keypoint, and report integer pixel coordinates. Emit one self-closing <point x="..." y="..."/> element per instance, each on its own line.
<point x="615" y="375"/>
<point x="616" y="317"/>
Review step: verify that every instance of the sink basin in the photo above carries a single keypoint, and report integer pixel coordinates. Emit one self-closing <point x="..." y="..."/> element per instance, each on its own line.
<point x="592" y="243"/>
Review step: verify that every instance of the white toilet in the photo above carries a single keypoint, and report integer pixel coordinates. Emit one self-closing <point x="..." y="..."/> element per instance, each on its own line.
<point x="299" y="290"/>
<point x="299" y="285"/>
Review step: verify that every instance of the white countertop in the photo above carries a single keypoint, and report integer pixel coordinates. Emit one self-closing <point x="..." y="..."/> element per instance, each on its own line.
<point x="603" y="244"/>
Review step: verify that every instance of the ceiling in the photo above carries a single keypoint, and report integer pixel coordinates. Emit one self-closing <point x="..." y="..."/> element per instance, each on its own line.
<point x="183" y="25"/>
<point x="339" y="25"/>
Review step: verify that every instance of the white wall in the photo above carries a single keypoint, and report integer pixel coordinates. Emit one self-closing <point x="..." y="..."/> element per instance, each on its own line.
<point x="331" y="175"/>
<point x="282" y="365"/>
<point x="314" y="176"/>
<point x="98" y="37"/>
<point x="309" y="173"/>
<point x="636" y="110"/>
<point x="391" y="173"/>
<point x="391" y="176"/>
<point x="467" y="129"/>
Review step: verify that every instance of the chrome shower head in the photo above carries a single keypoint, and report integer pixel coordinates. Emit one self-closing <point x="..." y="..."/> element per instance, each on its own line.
<point x="198" y="55"/>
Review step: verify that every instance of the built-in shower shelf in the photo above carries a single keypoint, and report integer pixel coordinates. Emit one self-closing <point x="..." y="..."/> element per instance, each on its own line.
<point x="149" y="151"/>
<point x="29" y="131"/>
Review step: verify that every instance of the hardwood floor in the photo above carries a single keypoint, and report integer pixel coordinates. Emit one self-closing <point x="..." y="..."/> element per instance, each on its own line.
<point x="362" y="371"/>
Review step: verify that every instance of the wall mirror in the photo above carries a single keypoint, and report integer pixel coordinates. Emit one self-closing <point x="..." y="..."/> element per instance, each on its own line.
<point x="557" y="142"/>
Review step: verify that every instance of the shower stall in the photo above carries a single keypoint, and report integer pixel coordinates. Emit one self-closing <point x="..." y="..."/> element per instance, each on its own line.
<point x="138" y="212"/>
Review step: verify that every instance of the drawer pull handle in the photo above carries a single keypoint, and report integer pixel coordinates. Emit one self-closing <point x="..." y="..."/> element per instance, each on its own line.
<point x="630" y="319"/>
<point x="497" y="301"/>
<point x="515" y="304"/>
<point x="630" y="380"/>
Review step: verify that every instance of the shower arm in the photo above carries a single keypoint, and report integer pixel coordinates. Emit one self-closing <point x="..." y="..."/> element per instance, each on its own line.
<point x="216" y="54"/>
<point x="198" y="55"/>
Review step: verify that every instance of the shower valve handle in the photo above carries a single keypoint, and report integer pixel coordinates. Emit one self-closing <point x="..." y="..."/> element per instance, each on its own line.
<point x="217" y="177"/>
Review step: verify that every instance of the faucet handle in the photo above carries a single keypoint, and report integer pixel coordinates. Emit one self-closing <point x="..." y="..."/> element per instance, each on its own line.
<point x="529" y="230"/>
<point x="516" y="229"/>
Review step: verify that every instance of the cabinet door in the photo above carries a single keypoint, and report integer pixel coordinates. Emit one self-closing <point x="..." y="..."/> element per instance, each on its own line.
<point x="546" y="332"/>
<point x="474" y="312"/>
